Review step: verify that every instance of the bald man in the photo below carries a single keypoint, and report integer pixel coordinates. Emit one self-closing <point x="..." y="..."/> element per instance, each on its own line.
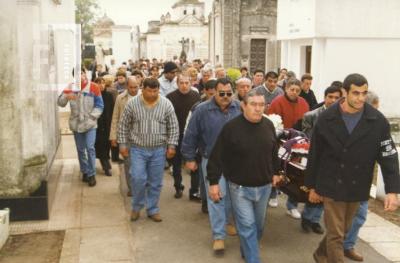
<point x="123" y="98"/>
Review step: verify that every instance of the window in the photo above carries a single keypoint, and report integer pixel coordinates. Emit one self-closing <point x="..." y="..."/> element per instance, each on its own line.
<point x="184" y="12"/>
<point x="194" y="11"/>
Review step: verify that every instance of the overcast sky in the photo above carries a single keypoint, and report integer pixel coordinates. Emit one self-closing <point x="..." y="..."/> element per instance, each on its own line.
<point x="139" y="12"/>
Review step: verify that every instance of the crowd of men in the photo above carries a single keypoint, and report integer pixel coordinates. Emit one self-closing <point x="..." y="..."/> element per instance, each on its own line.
<point x="190" y="114"/>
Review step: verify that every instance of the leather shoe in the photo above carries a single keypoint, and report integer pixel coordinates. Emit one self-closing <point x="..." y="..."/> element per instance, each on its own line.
<point x="353" y="255"/>
<point x="219" y="246"/>
<point x="231" y="230"/>
<point x="85" y="178"/>
<point x="135" y="215"/>
<point x="305" y="225"/>
<point x="108" y="172"/>
<point x="179" y="192"/>
<point x="155" y="217"/>
<point x="195" y="197"/>
<point x="316" y="228"/>
<point x="92" y="181"/>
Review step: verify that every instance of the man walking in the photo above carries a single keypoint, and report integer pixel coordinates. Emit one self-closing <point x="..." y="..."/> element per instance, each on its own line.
<point x="150" y="128"/>
<point x="270" y="88"/>
<point x="312" y="213"/>
<point x="168" y="79"/>
<point x="250" y="164"/>
<point x="306" y="91"/>
<point x="347" y="140"/>
<point x="120" y="103"/>
<point x="183" y="100"/>
<point x="204" y="126"/>
<point x="86" y="107"/>
<point x="291" y="107"/>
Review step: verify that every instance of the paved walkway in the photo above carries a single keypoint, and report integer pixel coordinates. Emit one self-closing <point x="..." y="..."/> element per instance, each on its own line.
<point x="98" y="230"/>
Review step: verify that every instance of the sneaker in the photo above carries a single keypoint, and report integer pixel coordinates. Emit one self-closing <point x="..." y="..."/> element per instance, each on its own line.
<point x="92" y="181"/>
<point x="294" y="213"/>
<point x="219" y="246"/>
<point x="273" y="202"/>
<point x="230" y="230"/>
<point x="135" y="215"/>
<point x="155" y="217"/>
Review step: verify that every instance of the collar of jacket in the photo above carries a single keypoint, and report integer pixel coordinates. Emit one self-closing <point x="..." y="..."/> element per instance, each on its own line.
<point x="334" y="112"/>
<point x="212" y="105"/>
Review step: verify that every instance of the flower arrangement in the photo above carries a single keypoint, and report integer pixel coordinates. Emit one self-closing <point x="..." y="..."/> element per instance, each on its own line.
<point x="276" y="120"/>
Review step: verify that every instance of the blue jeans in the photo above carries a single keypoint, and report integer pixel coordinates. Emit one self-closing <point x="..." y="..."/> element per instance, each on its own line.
<point x="147" y="170"/>
<point x="291" y="203"/>
<point x="312" y="212"/>
<point x="274" y="193"/>
<point x="249" y="207"/>
<point x="358" y="221"/>
<point x="127" y="168"/>
<point x="84" y="142"/>
<point x="220" y="212"/>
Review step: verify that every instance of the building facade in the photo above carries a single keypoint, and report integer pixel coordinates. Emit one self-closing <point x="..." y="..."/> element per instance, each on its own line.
<point x="329" y="40"/>
<point x="120" y="42"/>
<point x="185" y="28"/>
<point x="243" y="33"/>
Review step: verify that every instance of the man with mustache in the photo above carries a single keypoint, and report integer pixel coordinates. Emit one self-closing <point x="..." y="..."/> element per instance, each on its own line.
<point x="149" y="130"/>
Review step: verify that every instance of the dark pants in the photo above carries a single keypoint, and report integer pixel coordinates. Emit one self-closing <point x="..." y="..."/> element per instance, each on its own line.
<point x="338" y="219"/>
<point x="105" y="164"/>
<point x="194" y="182"/>
<point x="177" y="166"/>
<point x="114" y="154"/>
<point x="177" y="171"/>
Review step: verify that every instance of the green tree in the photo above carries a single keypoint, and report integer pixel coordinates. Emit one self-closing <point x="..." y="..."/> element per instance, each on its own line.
<point x="86" y="13"/>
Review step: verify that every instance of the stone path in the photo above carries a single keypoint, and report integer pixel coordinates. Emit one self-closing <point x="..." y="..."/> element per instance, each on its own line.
<point x="98" y="229"/>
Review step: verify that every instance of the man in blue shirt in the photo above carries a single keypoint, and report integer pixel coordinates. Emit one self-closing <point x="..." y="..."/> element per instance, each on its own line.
<point x="203" y="129"/>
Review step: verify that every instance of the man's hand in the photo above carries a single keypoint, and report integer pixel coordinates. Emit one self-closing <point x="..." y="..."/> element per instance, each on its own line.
<point x="114" y="143"/>
<point x="214" y="193"/>
<point x="276" y="179"/>
<point x="71" y="96"/>
<point x="170" y="152"/>
<point x="192" y="165"/>
<point x="124" y="152"/>
<point x="314" y="198"/>
<point x="391" y="202"/>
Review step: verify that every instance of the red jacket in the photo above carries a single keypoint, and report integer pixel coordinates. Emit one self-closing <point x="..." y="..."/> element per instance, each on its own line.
<point x="291" y="112"/>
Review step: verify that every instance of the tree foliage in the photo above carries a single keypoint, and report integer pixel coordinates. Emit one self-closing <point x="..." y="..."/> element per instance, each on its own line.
<point x="86" y="15"/>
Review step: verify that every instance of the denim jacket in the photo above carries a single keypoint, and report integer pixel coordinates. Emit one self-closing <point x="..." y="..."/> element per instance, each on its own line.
<point x="85" y="110"/>
<point x="204" y="126"/>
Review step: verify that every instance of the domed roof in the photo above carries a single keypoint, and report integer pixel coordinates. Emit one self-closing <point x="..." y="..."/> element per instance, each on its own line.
<point x="104" y="21"/>
<point x="185" y="2"/>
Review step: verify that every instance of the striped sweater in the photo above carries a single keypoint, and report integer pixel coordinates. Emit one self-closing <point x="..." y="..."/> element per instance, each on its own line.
<point x="148" y="127"/>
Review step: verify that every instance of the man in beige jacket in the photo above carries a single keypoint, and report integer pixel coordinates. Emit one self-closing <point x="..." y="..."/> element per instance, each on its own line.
<point x="122" y="99"/>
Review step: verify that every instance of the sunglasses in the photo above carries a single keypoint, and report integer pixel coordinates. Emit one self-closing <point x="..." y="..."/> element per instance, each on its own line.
<point x="224" y="93"/>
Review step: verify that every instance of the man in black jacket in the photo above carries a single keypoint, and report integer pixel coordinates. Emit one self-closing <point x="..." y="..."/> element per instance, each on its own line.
<point x="349" y="137"/>
<point x="250" y="164"/>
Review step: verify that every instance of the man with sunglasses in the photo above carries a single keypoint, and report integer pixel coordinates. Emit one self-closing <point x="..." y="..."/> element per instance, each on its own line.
<point x="204" y="126"/>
